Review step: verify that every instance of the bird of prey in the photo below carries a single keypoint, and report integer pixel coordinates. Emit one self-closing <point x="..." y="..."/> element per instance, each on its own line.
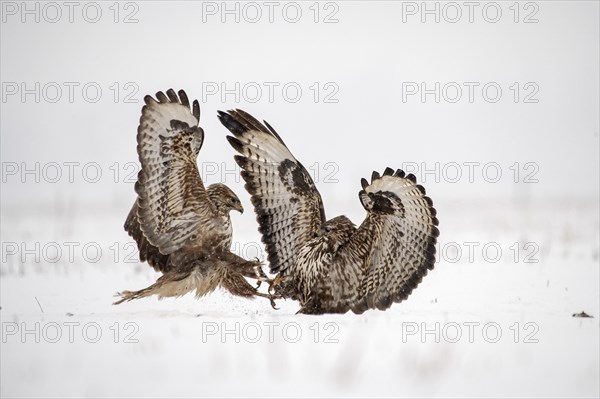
<point x="181" y="228"/>
<point x="331" y="266"/>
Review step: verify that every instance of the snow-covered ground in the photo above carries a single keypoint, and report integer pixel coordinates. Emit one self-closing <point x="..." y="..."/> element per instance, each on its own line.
<point x="478" y="325"/>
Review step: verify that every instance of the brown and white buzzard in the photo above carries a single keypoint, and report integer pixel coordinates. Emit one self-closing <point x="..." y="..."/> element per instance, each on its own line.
<point x="331" y="266"/>
<point x="183" y="229"/>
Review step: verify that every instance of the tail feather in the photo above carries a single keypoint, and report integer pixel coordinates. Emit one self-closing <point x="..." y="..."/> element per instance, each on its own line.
<point x="175" y="284"/>
<point x="127" y="296"/>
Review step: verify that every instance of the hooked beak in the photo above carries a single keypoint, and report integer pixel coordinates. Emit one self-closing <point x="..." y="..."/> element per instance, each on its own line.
<point x="240" y="209"/>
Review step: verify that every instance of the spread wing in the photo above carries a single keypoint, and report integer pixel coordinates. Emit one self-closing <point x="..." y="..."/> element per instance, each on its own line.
<point x="147" y="252"/>
<point x="391" y="252"/>
<point x="173" y="204"/>
<point x="288" y="206"/>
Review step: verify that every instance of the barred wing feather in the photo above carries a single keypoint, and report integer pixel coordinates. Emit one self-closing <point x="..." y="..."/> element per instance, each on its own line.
<point x="173" y="203"/>
<point x="288" y="206"/>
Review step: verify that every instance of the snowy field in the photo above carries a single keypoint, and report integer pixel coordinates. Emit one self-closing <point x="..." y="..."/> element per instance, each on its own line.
<point x="513" y="171"/>
<point x="472" y="328"/>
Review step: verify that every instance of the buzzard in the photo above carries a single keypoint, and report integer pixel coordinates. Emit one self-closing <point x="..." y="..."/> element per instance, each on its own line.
<point x="331" y="266"/>
<point x="181" y="228"/>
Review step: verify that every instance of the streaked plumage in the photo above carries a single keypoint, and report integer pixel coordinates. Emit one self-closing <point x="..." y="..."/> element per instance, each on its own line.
<point x="182" y="229"/>
<point x="331" y="266"/>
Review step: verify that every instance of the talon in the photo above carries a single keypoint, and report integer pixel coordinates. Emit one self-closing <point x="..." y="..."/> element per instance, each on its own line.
<point x="260" y="274"/>
<point x="263" y="279"/>
<point x="275" y="282"/>
<point x="270" y="297"/>
<point x="273" y="303"/>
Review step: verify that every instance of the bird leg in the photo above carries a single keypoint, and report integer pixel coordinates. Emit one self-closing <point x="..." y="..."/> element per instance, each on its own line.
<point x="253" y="269"/>
<point x="235" y="283"/>
<point x="261" y="275"/>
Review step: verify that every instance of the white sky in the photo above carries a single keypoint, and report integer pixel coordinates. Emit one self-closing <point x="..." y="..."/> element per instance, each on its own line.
<point x="368" y="57"/>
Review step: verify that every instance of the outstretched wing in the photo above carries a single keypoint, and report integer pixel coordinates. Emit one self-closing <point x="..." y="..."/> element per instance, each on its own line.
<point x="173" y="204"/>
<point x="288" y="206"/>
<point x="147" y="251"/>
<point x="391" y="252"/>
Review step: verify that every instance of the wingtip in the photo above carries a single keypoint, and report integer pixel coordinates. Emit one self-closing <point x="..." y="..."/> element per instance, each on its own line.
<point x="374" y="176"/>
<point x="161" y="97"/>
<point x="236" y="144"/>
<point x="232" y="122"/>
<point x="196" y="110"/>
<point x="364" y="183"/>
<point x="173" y="96"/>
<point x="183" y="98"/>
<point x="149" y="100"/>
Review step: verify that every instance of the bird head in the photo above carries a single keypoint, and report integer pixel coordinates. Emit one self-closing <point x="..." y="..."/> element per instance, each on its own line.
<point x="224" y="198"/>
<point x="339" y="230"/>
